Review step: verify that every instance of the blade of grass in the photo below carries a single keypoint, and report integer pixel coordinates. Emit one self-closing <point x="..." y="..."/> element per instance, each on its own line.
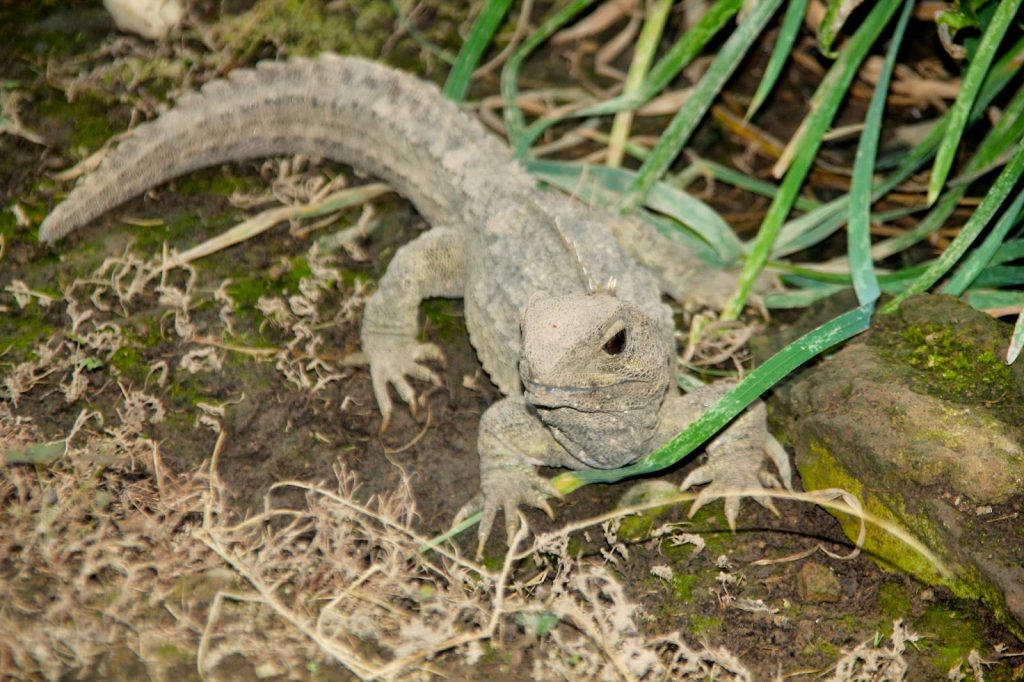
<point x="479" y="38"/>
<point x="994" y="198"/>
<point x="973" y="270"/>
<point x="836" y="14"/>
<point x="643" y="55"/>
<point x="1001" y="137"/>
<point x="515" y="123"/>
<point x="705" y="167"/>
<point x="686" y="119"/>
<point x="780" y="53"/>
<point x="1009" y="251"/>
<point x="802" y="298"/>
<point x="1000" y="75"/>
<point x="1016" y="339"/>
<point x="998" y="276"/>
<point x="668" y="67"/>
<point x="808" y="238"/>
<point x="859" y="227"/>
<point x="988" y="299"/>
<point x="976" y="72"/>
<point x="824" y="105"/>
<point x="577" y="179"/>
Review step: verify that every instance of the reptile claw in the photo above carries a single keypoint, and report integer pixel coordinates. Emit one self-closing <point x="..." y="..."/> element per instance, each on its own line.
<point x="392" y="359"/>
<point x="733" y="472"/>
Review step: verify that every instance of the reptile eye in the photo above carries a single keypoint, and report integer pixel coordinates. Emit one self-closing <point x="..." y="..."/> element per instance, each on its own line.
<point x="614" y="345"/>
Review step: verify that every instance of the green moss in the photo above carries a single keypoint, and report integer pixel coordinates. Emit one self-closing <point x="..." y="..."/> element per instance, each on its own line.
<point x="21" y="329"/>
<point x="683" y="584"/>
<point x="127" y="360"/>
<point x="894" y="600"/>
<point x="820" y="469"/>
<point x="220" y="181"/>
<point x="953" y="366"/>
<point x="949" y="634"/>
<point x="364" y="28"/>
<point x="698" y="624"/>
<point x="88" y="119"/>
<point x="443" y="320"/>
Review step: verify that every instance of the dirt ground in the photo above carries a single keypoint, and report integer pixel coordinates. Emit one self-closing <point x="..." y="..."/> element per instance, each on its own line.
<point x="146" y="565"/>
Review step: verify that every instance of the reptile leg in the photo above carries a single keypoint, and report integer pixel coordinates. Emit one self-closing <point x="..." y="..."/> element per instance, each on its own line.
<point x="432" y="265"/>
<point x="736" y="456"/>
<point x="511" y="442"/>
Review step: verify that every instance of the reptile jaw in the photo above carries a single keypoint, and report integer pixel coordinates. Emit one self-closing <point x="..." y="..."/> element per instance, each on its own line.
<point x="548" y="395"/>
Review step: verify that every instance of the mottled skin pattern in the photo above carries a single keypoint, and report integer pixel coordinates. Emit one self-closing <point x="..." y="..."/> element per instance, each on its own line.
<point x="566" y="322"/>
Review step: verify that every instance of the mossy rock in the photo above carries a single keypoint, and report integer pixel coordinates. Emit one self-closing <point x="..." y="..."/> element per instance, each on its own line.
<point x="925" y="424"/>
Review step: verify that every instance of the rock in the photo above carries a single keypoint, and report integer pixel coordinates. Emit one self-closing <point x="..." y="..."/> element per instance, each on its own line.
<point x="922" y="420"/>
<point x="817" y="584"/>
<point x="152" y="19"/>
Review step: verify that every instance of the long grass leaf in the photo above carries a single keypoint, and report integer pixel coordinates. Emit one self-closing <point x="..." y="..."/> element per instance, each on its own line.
<point x="825" y="103"/>
<point x="994" y="198"/>
<point x="993" y="146"/>
<point x="686" y="119"/>
<point x="1016" y="339"/>
<point x="859" y="227"/>
<point x="1000" y="75"/>
<point x="972" y="82"/>
<point x="703" y="168"/>
<point x="469" y="56"/>
<point x="643" y="55"/>
<point x="990" y="299"/>
<point x="579" y="180"/>
<point x="780" y="53"/>
<point x="1009" y="251"/>
<point x="515" y="123"/>
<point x="971" y="270"/>
<point x="668" y="67"/>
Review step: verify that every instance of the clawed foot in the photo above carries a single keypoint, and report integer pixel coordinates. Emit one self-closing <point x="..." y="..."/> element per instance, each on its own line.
<point x="740" y="469"/>
<point x="392" y="360"/>
<point x="506" y="488"/>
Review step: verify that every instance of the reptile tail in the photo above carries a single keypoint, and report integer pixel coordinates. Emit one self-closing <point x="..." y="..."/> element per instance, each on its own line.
<point x="351" y="110"/>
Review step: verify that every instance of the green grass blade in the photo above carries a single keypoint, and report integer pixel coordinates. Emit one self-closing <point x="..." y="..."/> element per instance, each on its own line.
<point x="999" y="276"/>
<point x="1000" y="75"/>
<point x="780" y="53"/>
<point x="580" y="180"/>
<point x="668" y="67"/>
<point x="994" y="198"/>
<point x="686" y="119"/>
<point x="1009" y="251"/>
<point x="972" y="270"/>
<point x="825" y="103"/>
<point x="747" y="391"/>
<point x="479" y="38"/>
<point x="515" y="123"/>
<point x="972" y="82"/>
<point x="1016" y="339"/>
<point x="988" y="299"/>
<point x="859" y="227"/>
<point x="704" y="167"/>
<point x="643" y="55"/>
<point x="801" y="298"/>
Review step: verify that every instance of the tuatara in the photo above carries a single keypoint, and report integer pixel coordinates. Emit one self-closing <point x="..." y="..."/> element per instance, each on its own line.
<point x="566" y="321"/>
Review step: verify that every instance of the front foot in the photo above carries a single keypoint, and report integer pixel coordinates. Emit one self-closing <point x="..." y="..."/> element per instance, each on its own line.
<point x="734" y="465"/>
<point x="504" y="488"/>
<point x="393" y="358"/>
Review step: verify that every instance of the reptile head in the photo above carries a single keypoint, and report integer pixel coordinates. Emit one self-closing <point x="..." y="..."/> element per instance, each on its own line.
<point x="593" y="352"/>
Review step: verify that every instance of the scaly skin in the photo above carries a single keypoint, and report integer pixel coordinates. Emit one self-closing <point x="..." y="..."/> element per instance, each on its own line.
<point x="553" y="302"/>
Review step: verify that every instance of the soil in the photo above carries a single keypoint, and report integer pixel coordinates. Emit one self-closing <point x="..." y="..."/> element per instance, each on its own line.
<point x="276" y="431"/>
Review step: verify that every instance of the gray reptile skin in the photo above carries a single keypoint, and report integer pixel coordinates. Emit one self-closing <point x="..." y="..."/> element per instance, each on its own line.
<point x="565" y="321"/>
